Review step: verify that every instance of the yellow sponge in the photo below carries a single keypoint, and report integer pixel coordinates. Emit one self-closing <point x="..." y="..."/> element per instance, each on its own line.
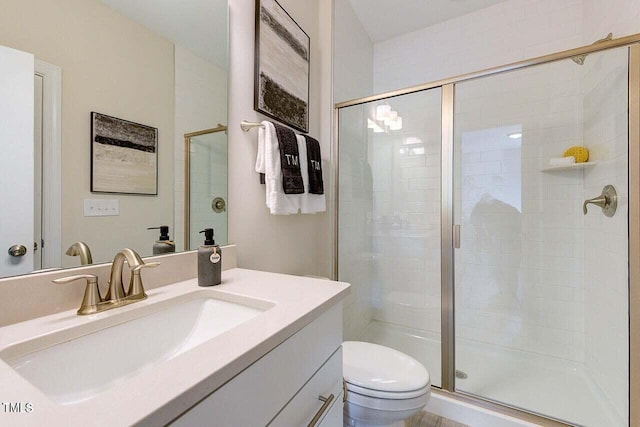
<point x="580" y="153"/>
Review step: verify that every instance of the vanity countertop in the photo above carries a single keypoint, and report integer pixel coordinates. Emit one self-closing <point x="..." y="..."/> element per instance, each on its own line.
<point x="159" y="394"/>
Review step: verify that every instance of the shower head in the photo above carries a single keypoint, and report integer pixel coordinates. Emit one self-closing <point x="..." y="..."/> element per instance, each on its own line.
<point x="579" y="59"/>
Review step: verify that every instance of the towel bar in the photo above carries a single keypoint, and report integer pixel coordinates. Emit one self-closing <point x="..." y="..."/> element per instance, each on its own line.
<point x="247" y="126"/>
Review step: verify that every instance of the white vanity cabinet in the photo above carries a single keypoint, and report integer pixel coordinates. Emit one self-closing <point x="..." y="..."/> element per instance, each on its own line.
<point x="286" y="387"/>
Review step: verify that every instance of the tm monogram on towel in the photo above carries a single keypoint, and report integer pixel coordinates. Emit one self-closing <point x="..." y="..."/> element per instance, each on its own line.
<point x="292" y="160"/>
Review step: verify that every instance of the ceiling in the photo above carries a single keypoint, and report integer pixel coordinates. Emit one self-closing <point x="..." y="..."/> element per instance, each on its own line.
<point x="384" y="19"/>
<point x="198" y="25"/>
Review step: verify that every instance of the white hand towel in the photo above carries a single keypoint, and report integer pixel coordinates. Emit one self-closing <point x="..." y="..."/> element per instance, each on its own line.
<point x="309" y="203"/>
<point x="262" y="134"/>
<point x="277" y="201"/>
<point x="562" y="161"/>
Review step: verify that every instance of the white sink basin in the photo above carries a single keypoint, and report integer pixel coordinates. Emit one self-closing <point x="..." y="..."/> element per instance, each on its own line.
<point x="83" y="362"/>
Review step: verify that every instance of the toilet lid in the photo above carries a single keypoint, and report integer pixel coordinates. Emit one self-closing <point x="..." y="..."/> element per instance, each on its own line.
<point x="375" y="367"/>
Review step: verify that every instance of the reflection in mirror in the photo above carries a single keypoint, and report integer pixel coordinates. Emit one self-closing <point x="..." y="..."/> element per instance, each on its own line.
<point x="161" y="64"/>
<point x="205" y="185"/>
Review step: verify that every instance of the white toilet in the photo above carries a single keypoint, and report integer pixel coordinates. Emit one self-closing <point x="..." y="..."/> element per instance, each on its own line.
<point x="384" y="386"/>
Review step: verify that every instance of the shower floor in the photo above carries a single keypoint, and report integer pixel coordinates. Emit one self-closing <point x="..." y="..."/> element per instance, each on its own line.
<point x="546" y="385"/>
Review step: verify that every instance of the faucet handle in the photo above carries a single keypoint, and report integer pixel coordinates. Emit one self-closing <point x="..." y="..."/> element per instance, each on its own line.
<point x="146" y="265"/>
<point x="91" y="297"/>
<point x="91" y="278"/>
<point x="135" y="285"/>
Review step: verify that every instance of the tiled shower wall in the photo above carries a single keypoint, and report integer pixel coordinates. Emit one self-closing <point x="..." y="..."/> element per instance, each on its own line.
<point x="507" y="32"/>
<point x="554" y="319"/>
<point x="519" y="271"/>
<point x="534" y="273"/>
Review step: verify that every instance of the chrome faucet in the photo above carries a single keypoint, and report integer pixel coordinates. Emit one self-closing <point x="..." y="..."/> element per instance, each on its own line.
<point x="82" y="249"/>
<point x="116" y="296"/>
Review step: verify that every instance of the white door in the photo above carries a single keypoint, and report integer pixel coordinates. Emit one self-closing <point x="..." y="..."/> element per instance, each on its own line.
<point x="16" y="161"/>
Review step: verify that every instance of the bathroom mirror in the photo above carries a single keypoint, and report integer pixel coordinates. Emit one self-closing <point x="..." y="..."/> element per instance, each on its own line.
<point x="96" y="98"/>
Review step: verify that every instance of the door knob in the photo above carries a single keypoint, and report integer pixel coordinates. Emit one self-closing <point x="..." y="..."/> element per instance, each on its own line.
<point x="608" y="201"/>
<point x="17" y="250"/>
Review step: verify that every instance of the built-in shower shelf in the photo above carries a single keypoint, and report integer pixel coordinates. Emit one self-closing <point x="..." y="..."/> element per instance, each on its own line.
<point x="575" y="166"/>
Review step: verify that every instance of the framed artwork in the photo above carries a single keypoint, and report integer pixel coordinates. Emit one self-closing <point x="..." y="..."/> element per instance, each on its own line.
<point x="281" y="88"/>
<point x="124" y="156"/>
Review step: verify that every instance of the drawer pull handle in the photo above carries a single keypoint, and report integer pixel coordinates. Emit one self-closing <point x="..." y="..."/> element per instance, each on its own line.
<point x="327" y="402"/>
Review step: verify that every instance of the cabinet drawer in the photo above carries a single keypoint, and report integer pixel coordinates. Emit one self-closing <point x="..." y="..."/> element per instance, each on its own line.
<point x="257" y="394"/>
<point x="307" y="403"/>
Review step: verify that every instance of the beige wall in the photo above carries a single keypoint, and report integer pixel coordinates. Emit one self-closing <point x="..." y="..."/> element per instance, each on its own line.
<point x="353" y="64"/>
<point x="113" y="66"/>
<point x="294" y="244"/>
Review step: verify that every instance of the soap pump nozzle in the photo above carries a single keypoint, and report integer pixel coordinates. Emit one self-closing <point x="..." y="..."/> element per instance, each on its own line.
<point x="208" y="236"/>
<point x="164" y="232"/>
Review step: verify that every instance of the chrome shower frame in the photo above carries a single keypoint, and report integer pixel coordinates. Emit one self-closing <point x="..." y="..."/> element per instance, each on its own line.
<point x="447" y="269"/>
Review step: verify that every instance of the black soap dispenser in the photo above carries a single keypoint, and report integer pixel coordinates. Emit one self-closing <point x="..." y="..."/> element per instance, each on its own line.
<point x="164" y="245"/>
<point x="209" y="261"/>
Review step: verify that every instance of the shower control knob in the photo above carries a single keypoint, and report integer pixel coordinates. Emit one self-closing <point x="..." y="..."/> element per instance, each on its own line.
<point x="607" y="201"/>
<point x="17" y="250"/>
<point x="218" y="205"/>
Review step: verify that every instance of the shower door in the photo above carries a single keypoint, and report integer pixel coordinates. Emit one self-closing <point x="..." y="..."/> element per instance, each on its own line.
<point x="389" y="223"/>
<point x="207" y="185"/>
<point x="541" y="282"/>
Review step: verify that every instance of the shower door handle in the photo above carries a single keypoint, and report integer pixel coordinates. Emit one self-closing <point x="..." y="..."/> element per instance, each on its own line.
<point x="456" y="236"/>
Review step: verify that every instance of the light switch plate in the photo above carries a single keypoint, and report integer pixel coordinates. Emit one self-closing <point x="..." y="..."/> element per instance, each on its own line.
<point x="101" y="207"/>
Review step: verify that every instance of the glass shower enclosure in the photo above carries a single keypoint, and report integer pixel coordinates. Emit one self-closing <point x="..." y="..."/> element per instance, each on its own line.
<point x="474" y="247"/>
<point x="205" y="185"/>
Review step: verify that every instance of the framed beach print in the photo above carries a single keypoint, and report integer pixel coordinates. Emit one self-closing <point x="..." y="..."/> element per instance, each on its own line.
<point x="282" y="66"/>
<point x="124" y="156"/>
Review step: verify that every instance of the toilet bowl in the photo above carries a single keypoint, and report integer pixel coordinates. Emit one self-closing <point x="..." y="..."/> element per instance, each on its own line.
<point x="383" y="386"/>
